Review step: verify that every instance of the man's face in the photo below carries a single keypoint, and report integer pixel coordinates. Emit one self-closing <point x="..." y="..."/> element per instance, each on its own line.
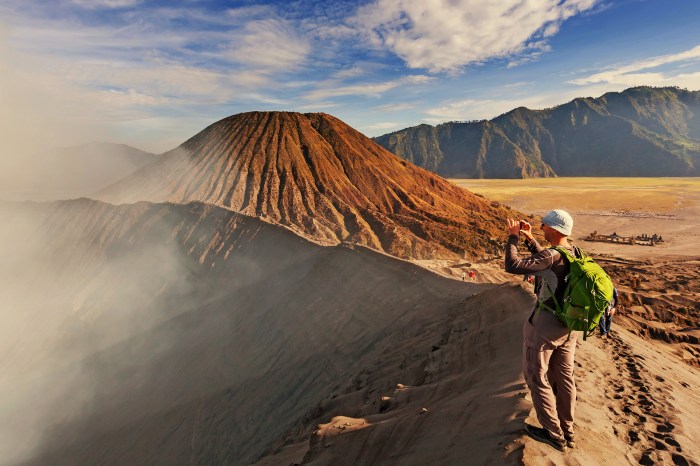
<point x="547" y="230"/>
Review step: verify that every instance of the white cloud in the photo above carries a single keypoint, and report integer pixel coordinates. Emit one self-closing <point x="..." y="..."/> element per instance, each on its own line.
<point x="271" y="44"/>
<point x="444" y="35"/>
<point x="398" y="107"/>
<point x="381" y="126"/>
<point x="468" y="109"/>
<point x="317" y="106"/>
<point x="641" y="72"/>
<point x="368" y="89"/>
<point x="333" y="32"/>
<point x="352" y="72"/>
<point x="534" y="55"/>
<point x="95" y="4"/>
<point x="487" y="109"/>
<point x="249" y="11"/>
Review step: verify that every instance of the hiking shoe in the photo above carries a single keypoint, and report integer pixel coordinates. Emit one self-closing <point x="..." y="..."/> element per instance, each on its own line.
<point x="570" y="441"/>
<point x="543" y="435"/>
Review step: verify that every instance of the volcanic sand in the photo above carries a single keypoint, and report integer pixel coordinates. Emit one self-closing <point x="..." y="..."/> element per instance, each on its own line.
<point x="636" y="390"/>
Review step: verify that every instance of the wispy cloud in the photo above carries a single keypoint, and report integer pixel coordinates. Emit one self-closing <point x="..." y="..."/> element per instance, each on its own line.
<point x="365" y="89"/>
<point x="127" y="65"/>
<point x="397" y="107"/>
<point x="467" y="109"/>
<point x="94" y="4"/>
<point x="270" y="45"/>
<point x="487" y="109"/>
<point x="654" y="71"/>
<point x="381" y="126"/>
<point x="351" y="72"/>
<point x="441" y="35"/>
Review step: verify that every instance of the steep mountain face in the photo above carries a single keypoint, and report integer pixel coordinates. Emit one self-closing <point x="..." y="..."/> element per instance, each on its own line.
<point x="322" y="179"/>
<point x="70" y="172"/>
<point x="642" y="131"/>
<point x="172" y="334"/>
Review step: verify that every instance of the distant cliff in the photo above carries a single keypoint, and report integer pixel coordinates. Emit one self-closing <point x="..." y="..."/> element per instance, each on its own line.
<point x="641" y="131"/>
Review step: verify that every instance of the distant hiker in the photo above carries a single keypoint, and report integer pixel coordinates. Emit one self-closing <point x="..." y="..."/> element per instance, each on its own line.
<point x="548" y="347"/>
<point x="472" y="275"/>
<point x="464" y="276"/>
<point x="606" y="320"/>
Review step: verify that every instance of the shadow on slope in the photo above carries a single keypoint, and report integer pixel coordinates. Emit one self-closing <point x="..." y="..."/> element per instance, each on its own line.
<point x="158" y="333"/>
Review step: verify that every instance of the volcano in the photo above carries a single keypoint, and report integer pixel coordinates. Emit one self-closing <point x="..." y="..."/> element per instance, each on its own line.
<point x="322" y="179"/>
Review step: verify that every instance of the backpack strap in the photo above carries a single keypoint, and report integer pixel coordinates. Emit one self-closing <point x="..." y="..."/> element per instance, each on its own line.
<point x="557" y="307"/>
<point x="558" y="311"/>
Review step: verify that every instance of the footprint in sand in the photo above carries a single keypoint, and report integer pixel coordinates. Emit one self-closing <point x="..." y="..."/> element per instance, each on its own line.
<point x="634" y="436"/>
<point x="671" y="441"/>
<point x="679" y="460"/>
<point x="665" y="427"/>
<point x="634" y="399"/>
<point x="659" y="445"/>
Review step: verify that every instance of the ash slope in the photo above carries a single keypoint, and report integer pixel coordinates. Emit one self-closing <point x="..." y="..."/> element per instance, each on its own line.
<point x="170" y="334"/>
<point x="642" y="131"/>
<point x="324" y="180"/>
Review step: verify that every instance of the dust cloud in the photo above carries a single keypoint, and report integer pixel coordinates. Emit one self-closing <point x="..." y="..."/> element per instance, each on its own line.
<point x="73" y="286"/>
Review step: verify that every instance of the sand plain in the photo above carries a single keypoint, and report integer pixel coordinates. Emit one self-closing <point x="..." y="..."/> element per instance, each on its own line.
<point x="669" y="207"/>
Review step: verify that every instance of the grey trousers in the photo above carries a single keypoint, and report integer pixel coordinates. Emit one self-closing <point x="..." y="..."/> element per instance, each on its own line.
<point x="548" y="366"/>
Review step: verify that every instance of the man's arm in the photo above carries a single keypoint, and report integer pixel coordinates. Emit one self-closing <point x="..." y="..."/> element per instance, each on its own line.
<point x="533" y="246"/>
<point x="530" y="242"/>
<point x="541" y="260"/>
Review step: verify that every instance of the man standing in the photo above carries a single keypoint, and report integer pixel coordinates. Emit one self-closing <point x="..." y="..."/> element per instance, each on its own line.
<point x="549" y="348"/>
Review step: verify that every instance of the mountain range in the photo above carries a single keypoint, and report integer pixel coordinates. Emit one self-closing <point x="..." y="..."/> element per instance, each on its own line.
<point x="642" y="131"/>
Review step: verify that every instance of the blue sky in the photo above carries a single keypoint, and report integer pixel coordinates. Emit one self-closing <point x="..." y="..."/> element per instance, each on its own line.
<point x="153" y="73"/>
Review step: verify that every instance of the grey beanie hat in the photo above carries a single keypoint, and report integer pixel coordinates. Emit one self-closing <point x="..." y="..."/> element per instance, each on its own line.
<point x="560" y="220"/>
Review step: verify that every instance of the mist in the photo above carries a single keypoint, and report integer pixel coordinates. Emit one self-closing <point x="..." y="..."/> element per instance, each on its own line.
<point x="165" y="333"/>
<point x="92" y="299"/>
<point x="50" y="127"/>
<point x="67" y="294"/>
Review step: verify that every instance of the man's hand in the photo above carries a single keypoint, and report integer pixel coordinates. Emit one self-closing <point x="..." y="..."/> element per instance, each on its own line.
<point x="526" y="229"/>
<point x="513" y="227"/>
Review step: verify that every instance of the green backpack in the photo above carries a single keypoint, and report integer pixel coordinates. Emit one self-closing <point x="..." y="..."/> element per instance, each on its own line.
<point x="588" y="293"/>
